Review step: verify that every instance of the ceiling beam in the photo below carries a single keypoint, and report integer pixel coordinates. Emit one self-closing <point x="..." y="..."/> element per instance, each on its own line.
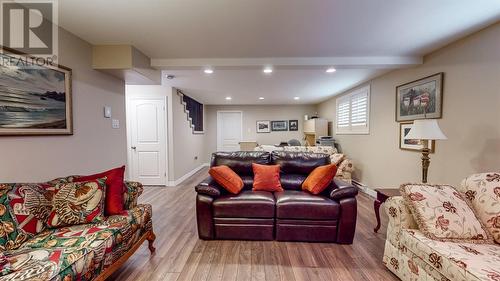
<point x="290" y="62"/>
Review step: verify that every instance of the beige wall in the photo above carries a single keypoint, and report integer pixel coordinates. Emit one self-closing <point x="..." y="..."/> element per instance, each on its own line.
<point x="252" y="113"/>
<point x="189" y="148"/>
<point x="93" y="147"/>
<point x="471" y="117"/>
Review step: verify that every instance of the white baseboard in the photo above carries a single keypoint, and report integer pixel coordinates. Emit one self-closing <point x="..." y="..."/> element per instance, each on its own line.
<point x="365" y="189"/>
<point x="186" y="176"/>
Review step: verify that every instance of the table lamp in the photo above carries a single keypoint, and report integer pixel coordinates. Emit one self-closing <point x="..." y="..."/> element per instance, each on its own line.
<point x="425" y="130"/>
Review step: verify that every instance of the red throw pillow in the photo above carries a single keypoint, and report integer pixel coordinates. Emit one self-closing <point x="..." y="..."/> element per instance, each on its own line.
<point x="319" y="178"/>
<point x="227" y="178"/>
<point x="114" y="189"/>
<point x="266" y="178"/>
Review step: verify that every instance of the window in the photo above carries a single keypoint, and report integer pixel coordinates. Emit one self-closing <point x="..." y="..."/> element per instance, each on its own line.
<point x="353" y="112"/>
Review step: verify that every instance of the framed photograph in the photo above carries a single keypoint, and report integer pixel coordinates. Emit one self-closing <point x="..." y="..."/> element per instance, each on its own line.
<point x="263" y="126"/>
<point x="34" y="100"/>
<point x="420" y="99"/>
<point x="293" y="125"/>
<point x="281" y="125"/>
<point x="406" y="144"/>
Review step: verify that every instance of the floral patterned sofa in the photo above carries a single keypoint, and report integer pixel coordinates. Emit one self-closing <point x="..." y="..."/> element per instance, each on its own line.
<point x="345" y="165"/>
<point x="32" y="251"/>
<point x="412" y="256"/>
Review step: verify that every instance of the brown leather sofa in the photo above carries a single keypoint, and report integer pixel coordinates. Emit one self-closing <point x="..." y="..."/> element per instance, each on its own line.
<point x="291" y="215"/>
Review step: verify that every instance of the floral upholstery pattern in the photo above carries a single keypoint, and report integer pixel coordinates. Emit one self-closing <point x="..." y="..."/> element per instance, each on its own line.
<point x="456" y="261"/>
<point x="78" y="252"/>
<point x="336" y="158"/>
<point x="23" y="211"/>
<point x="442" y="213"/>
<point x="30" y="251"/>
<point x="77" y="203"/>
<point x="322" y="149"/>
<point x="412" y="256"/>
<point x="483" y="191"/>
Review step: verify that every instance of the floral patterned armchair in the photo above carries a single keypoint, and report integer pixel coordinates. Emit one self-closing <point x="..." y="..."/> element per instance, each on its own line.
<point x="412" y="256"/>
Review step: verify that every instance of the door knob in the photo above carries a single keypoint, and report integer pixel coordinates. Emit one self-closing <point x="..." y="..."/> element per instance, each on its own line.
<point x="133" y="147"/>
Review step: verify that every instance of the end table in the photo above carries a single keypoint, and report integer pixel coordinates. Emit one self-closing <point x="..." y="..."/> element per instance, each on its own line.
<point x="382" y="195"/>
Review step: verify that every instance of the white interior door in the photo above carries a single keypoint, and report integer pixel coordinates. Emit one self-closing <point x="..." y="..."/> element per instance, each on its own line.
<point x="229" y="130"/>
<point x="148" y="141"/>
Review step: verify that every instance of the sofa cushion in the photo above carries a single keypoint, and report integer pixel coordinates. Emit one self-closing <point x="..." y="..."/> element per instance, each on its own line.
<point x="226" y="178"/>
<point x="442" y="213"/>
<point x="240" y="161"/>
<point x="292" y="181"/>
<point x="77" y="203"/>
<point x="456" y="261"/>
<point x="302" y="163"/>
<point x="483" y="191"/>
<point x="293" y="204"/>
<point x="247" y="204"/>
<point x="24" y="208"/>
<point x="266" y="178"/>
<point x="114" y="189"/>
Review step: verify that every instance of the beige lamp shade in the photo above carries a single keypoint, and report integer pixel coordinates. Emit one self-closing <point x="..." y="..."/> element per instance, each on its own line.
<point x="425" y="129"/>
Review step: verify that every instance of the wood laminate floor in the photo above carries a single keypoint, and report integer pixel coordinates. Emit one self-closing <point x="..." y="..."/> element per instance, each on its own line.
<point x="180" y="255"/>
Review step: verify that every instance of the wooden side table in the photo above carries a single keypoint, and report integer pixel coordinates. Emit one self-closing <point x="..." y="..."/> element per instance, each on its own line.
<point x="382" y="195"/>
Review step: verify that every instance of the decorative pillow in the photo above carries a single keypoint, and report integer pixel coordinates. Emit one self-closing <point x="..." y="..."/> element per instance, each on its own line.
<point x="77" y="203"/>
<point x="114" y="189"/>
<point x="23" y="210"/>
<point x="483" y="191"/>
<point x="227" y="178"/>
<point x="442" y="213"/>
<point x="319" y="178"/>
<point x="336" y="158"/>
<point x="266" y="178"/>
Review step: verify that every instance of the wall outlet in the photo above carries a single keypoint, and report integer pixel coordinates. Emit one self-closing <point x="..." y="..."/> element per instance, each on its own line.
<point x="115" y="124"/>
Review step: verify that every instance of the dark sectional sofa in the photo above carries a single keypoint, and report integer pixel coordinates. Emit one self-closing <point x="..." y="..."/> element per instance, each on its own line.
<point x="291" y="215"/>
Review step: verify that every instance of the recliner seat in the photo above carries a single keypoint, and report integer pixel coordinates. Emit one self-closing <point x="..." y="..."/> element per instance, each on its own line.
<point x="291" y="215"/>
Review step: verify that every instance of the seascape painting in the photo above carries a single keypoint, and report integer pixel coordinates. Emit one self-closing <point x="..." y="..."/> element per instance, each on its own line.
<point x="420" y="99"/>
<point x="34" y="100"/>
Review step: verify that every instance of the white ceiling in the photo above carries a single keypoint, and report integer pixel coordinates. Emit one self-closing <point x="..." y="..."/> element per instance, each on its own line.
<point x="338" y="30"/>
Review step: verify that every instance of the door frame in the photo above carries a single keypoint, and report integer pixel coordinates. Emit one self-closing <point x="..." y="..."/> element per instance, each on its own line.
<point x="219" y="114"/>
<point x="128" y="105"/>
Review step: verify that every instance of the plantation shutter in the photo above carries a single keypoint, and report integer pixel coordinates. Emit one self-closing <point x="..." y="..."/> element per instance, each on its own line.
<point x="353" y="112"/>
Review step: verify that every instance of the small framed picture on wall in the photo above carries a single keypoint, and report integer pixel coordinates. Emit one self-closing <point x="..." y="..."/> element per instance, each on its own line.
<point x="407" y="144"/>
<point x="263" y="126"/>
<point x="281" y="125"/>
<point x="293" y="125"/>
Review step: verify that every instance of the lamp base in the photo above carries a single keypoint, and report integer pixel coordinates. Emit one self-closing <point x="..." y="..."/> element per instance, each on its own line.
<point x="426" y="160"/>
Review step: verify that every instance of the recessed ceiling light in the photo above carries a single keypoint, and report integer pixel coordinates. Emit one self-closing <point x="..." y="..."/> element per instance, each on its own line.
<point x="331" y="70"/>
<point x="261" y="98"/>
<point x="229" y="98"/>
<point x="208" y="71"/>
<point x="296" y="98"/>
<point x="268" y="70"/>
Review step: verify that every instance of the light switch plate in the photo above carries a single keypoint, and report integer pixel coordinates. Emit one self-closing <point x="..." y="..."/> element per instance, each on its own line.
<point x="107" y="111"/>
<point x="115" y="123"/>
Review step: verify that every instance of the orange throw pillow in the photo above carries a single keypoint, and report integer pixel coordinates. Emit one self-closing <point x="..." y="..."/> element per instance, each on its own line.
<point x="319" y="178"/>
<point x="227" y="178"/>
<point x="266" y="178"/>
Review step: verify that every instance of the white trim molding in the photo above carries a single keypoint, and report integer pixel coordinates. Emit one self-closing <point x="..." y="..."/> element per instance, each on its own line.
<point x="187" y="175"/>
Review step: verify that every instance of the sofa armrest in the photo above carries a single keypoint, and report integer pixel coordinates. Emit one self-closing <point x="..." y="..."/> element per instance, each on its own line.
<point x="345" y="170"/>
<point x="209" y="187"/>
<point x="340" y="189"/>
<point x="133" y="190"/>
<point x="400" y="218"/>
